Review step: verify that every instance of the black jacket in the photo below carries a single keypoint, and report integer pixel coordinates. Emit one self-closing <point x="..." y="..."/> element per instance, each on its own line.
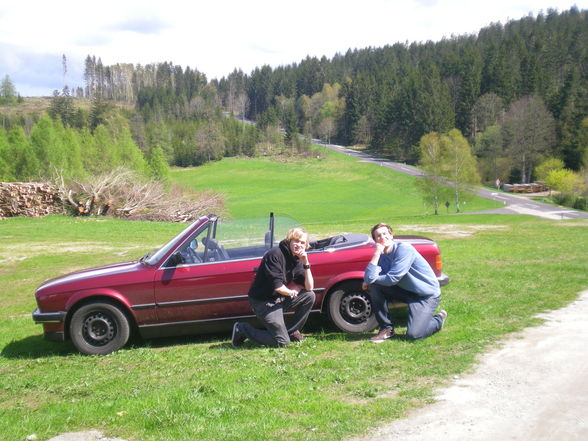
<point x="278" y="267"/>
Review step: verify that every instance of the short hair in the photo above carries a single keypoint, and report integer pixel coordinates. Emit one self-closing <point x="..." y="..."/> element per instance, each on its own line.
<point x="380" y="225"/>
<point x="297" y="233"/>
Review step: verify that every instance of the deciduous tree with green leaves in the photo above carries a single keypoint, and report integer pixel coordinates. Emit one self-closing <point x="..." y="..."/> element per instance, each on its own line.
<point x="108" y="157"/>
<point x="564" y="180"/>
<point x="459" y="166"/>
<point x="48" y="147"/>
<point x="433" y="185"/>
<point x="73" y="150"/>
<point x="547" y="166"/>
<point x="25" y="164"/>
<point x="6" y="169"/>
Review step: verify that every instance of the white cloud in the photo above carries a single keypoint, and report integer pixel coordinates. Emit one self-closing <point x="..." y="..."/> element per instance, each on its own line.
<point x="216" y="37"/>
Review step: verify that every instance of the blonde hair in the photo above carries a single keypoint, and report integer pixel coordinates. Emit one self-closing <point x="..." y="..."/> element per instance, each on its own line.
<point x="297" y="233"/>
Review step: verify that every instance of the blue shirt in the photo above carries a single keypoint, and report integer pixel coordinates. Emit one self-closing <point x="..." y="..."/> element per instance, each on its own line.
<point x="406" y="268"/>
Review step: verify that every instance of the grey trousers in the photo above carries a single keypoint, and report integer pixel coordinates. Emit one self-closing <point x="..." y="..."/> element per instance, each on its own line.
<point x="271" y="314"/>
<point x="422" y="321"/>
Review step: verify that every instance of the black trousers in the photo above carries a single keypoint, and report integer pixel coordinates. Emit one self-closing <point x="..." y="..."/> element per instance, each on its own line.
<point x="271" y="314"/>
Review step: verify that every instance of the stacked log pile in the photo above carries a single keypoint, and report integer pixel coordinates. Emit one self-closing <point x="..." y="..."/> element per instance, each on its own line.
<point x="534" y="187"/>
<point x="119" y="193"/>
<point x="31" y="199"/>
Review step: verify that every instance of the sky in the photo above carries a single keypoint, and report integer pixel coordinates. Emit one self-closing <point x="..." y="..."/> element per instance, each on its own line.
<point x="215" y="37"/>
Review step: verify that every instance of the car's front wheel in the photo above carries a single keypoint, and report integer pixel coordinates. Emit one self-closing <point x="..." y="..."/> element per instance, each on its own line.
<point x="99" y="328"/>
<point x="350" y="308"/>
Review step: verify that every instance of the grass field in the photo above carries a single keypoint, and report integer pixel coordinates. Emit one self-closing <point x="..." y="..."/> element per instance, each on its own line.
<point x="503" y="269"/>
<point x="338" y="189"/>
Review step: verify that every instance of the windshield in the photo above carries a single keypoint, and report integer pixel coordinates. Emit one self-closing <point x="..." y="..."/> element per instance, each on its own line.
<point x="226" y="240"/>
<point x="153" y="257"/>
<point x="252" y="232"/>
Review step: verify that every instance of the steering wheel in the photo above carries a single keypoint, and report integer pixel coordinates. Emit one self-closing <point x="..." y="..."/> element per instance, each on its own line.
<point x="188" y="254"/>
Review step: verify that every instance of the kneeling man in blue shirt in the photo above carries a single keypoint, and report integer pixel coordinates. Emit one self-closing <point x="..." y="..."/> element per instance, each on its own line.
<point x="398" y="272"/>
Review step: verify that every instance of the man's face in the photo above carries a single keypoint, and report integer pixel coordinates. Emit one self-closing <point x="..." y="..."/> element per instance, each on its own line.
<point x="298" y="246"/>
<point x="383" y="236"/>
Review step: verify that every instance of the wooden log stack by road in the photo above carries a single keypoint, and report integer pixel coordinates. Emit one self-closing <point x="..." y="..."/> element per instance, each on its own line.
<point x="31" y="199"/>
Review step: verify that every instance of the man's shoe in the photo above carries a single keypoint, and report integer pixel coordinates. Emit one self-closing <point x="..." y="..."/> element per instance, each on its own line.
<point x="384" y="334"/>
<point x="237" y="338"/>
<point x="443" y="315"/>
<point x="296" y="336"/>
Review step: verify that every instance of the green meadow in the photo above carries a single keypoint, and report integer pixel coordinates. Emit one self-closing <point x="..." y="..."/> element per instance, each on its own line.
<point x="334" y="189"/>
<point x="504" y="270"/>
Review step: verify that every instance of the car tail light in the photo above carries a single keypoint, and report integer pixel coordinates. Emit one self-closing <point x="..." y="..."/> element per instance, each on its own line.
<point x="438" y="263"/>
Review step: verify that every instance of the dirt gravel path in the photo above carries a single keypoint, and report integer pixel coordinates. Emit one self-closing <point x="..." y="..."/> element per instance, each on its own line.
<point x="534" y="387"/>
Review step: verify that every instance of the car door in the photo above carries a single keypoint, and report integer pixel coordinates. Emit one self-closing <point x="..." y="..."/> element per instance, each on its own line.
<point x="214" y="286"/>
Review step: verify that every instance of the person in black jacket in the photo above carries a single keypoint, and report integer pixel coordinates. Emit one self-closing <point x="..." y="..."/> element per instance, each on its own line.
<point x="283" y="281"/>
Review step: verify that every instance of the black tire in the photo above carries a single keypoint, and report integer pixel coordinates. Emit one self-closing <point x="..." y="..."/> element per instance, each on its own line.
<point x="350" y="308"/>
<point x="99" y="328"/>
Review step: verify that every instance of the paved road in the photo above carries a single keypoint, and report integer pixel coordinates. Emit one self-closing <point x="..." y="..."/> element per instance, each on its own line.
<point x="512" y="204"/>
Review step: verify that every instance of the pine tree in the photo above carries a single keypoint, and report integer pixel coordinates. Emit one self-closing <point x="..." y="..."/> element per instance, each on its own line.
<point x="469" y="88"/>
<point x="130" y="155"/>
<point x="489" y="149"/>
<point x="7" y="91"/>
<point x="158" y="166"/>
<point x="62" y="107"/>
<point x="290" y="125"/>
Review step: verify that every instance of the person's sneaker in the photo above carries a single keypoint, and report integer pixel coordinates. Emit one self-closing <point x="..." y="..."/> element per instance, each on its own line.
<point x="296" y="336"/>
<point x="384" y="334"/>
<point x="237" y="338"/>
<point x="443" y="315"/>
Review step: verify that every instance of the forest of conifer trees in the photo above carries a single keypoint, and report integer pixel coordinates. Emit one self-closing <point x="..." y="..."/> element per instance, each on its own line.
<point x="517" y="92"/>
<point x="390" y="97"/>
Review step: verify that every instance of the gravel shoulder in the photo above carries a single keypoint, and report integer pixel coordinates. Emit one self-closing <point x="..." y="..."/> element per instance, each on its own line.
<point x="534" y="387"/>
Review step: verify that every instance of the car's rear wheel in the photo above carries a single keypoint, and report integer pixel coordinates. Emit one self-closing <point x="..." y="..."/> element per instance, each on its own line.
<point x="99" y="328"/>
<point x="350" y="308"/>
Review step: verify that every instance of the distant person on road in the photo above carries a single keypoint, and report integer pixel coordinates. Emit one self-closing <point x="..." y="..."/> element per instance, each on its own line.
<point x="283" y="281"/>
<point x="398" y="272"/>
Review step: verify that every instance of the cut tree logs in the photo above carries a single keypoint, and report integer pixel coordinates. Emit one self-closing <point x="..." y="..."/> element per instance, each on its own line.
<point x="30" y="199"/>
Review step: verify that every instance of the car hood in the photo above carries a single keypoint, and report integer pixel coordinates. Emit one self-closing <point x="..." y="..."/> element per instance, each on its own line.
<point x="78" y="277"/>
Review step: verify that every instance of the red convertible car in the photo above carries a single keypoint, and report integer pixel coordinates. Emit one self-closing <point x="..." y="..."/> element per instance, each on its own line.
<point x="198" y="283"/>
